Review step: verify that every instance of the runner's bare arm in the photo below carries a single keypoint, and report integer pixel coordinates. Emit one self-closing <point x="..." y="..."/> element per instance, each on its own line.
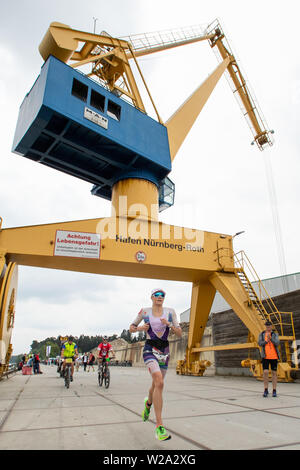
<point x="133" y="328"/>
<point x="174" y="326"/>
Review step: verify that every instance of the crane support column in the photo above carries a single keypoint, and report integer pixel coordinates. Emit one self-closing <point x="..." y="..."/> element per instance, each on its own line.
<point x="203" y="294"/>
<point x="135" y="197"/>
<point x="8" y="293"/>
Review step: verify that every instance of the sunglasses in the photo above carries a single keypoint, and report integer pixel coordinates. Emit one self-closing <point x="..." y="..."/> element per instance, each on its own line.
<point x="159" y="294"/>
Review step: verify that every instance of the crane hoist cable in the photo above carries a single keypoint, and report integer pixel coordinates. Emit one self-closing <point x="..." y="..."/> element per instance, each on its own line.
<point x="276" y="221"/>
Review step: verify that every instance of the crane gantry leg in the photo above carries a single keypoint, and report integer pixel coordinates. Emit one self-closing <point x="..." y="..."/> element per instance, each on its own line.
<point x="251" y="312"/>
<point x="203" y="294"/>
<point x="8" y="294"/>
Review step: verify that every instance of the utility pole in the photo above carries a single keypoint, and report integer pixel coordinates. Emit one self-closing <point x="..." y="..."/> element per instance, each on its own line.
<point x="95" y="21"/>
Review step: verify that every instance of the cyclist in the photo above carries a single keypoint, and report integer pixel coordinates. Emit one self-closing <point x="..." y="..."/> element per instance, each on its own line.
<point x="104" y="349"/>
<point x="69" y="349"/>
<point x="159" y="321"/>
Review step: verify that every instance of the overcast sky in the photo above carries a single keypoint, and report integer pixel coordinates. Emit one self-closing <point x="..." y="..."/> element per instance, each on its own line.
<point x="221" y="181"/>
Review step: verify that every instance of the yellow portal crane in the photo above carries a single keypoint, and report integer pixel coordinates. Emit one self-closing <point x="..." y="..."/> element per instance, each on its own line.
<point x="86" y="130"/>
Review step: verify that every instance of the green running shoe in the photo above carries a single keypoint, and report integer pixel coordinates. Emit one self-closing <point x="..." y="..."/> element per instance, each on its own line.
<point x="146" y="411"/>
<point x="161" y="434"/>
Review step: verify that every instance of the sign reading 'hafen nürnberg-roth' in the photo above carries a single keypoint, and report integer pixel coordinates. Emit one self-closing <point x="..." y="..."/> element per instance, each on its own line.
<point x="160" y="244"/>
<point x="77" y="244"/>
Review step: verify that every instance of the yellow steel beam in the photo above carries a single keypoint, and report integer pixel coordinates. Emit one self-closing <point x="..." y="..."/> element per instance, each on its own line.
<point x="287" y="338"/>
<point x="225" y="347"/>
<point x="62" y="42"/>
<point x="181" y="122"/>
<point x="230" y="287"/>
<point x="145" y="85"/>
<point x="240" y="87"/>
<point x="8" y="293"/>
<point x="203" y="294"/>
<point x="93" y="58"/>
<point x="173" y="253"/>
<point x="138" y="103"/>
<point x="2" y="265"/>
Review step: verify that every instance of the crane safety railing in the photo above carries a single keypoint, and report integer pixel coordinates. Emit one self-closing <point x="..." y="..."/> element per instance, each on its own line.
<point x="150" y="41"/>
<point x="8" y="373"/>
<point x="258" y="295"/>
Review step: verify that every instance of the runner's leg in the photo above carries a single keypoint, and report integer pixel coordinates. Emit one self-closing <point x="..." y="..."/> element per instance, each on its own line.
<point x="157" y="399"/>
<point x="150" y="394"/>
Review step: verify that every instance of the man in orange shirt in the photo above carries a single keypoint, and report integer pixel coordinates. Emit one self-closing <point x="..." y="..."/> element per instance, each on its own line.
<point x="269" y="342"/>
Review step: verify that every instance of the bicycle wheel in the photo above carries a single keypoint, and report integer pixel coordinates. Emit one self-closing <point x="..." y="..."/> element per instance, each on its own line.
<point x="107" y="378"/>
<point x="100" y="376"/>
<point x="67" y="377"/>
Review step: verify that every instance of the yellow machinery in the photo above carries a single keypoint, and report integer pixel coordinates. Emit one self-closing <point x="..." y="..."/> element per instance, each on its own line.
<point x="133" y="242"/>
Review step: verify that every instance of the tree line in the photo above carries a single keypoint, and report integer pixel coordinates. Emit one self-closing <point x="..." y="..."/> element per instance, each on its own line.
<point x="84" y="343"/>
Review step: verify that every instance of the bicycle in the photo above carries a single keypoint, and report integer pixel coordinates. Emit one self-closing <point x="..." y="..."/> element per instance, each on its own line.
<point x="104" y="374"/>
<point x="68" y="371"/>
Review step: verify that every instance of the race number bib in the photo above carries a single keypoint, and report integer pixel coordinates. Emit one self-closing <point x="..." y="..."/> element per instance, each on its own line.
<point x="162" y="358"/>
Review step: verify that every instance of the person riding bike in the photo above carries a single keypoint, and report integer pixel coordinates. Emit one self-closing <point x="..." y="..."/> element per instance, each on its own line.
<point x="69" y="349"/>
<point x="103" y="351"/>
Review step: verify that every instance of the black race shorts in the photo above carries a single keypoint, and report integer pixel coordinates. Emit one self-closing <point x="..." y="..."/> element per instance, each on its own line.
<point x="270" y="362"/>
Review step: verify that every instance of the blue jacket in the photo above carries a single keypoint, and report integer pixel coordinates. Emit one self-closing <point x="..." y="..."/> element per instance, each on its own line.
<point x="274" y="339"/>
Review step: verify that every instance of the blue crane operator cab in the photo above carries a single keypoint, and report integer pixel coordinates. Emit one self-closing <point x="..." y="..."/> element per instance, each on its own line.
<point x="73" y="124"/>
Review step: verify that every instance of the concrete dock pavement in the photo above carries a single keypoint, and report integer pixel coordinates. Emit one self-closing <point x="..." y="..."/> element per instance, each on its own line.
<point x="218" y="413"/>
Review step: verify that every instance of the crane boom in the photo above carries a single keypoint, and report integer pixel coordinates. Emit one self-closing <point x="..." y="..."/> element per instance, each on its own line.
<point x="241" y="90"/>
<point x="149" y="43"/>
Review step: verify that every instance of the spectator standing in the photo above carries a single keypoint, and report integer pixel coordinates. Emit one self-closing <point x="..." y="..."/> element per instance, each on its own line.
<point x="30" y="361"/>
<point x="269" y="341"/>
<point x="91" y="361"/>
<point x="77" y="363"/>
<point x="85" y="361"/>
<point x="36" y="364"/>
